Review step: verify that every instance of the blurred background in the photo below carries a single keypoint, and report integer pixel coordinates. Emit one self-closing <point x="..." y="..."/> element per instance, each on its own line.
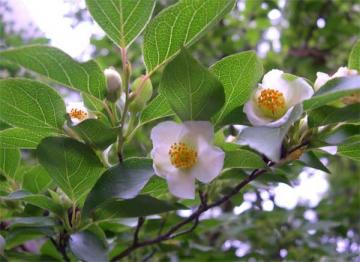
<point x="309" y="214"/>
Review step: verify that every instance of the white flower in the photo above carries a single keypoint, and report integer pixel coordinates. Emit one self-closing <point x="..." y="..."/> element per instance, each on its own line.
<point x="78" y="112"/>
<point x="322" y="78"/>
<point x="184" y="152"/>
<point x="273" y="101"/>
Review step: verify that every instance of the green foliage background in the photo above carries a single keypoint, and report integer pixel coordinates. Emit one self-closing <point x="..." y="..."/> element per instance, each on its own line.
<point x="305" y="50"/>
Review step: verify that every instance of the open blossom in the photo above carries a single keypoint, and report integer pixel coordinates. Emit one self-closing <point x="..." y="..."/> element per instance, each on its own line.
<point x="273" y="101"/>
<point x="78" y="112"/>
<point x="322" y="78"/>
<point x="184" y="152"/>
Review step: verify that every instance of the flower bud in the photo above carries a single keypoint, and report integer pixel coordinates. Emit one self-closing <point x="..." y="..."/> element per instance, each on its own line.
<point x="113" y="81"/>
<point x="142" y="96"/>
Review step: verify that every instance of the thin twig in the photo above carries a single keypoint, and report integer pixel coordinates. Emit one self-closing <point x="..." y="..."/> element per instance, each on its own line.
<point x="61" y="249"/>
<point x="141" y="221"/>
<point x="193" y="217"/>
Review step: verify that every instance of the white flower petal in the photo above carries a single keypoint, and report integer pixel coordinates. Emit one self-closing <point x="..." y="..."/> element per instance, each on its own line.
<point x="300" y="91"/>
<point x="165" y="134"/>
<point x="181" y="184"/>
<point x="344" y="71"/>
<point x="321" y="79"/>
<point x="161" y="161"/>
<point x="271" y="77"/>
<point x="210" y="162"/>
<point x="193" y="130"/>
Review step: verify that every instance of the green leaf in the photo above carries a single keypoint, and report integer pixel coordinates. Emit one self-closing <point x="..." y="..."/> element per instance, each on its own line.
<point x="73" y="166"/>
<point x="190" y="89"/>
<point x="32" y="222"/>
<point x="350" y="148"/>
<point x="267" y="140"/>
<point x="60" y="67"/>
<point x="354" y="58"/>
<point x="96" y="133"/>
<point x="309" y="159"/>
<point x="277" y="176"/>
<point x="239" y="74"/>
<point x="31" y="105"/>
<point x="38" y="200"/>
<point x="157" y="108"/>
<point x="139" y="206"/>
<point x="234" y="117"/>
<point x="36" y="180"/>
<point x="180" y="25"/>
<point x="156" y="187"/>
<point x="19" y="235"/>
<point x="333" y="90"/>
<point x="242" y="158"/>
<point x="86" y="246"/>
<point x="122" y="20"/>
<point x="330" y="115"/>
<point x="21" y="138"/>
<point x="2" y="245"/>
<point x="9" y="161"/>
<point x="124" y="181"/>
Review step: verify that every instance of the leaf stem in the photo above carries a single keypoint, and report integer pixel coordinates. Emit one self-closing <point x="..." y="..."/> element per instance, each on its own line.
<point x="125" y="76"/>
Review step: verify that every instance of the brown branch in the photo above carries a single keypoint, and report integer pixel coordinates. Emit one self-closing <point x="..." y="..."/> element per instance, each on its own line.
<point x="193" y="217"/>
<point x="61" y="248"/>
<point x="141" y="221"/>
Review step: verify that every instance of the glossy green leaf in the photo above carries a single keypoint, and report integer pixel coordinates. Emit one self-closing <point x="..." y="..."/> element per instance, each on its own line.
<point x="60" y="67"/>
<point x="32" y="222"/>
<point x="267" y="140"/>
<point x="326" y="115"/>
<point x="139" y="206"/>
<point x="21" y="138"/>
<point x="19" y="235"/>
<point x="180" y="25"/>
<point x="157" y="108"/>
<point x="123" y="181"/>
<point x="9" y="161"/>
<point x="242" y="158"/>
<point x="31" y="105"/>
<point x="239" y="74"/>
<point x="333" y="90"/>
<point x="354" y="58"/>
<point x="96" y="133"/>
<point x="309" y="159"/>
<point x="38" y="200"/>
<point x="156" y="187"/>
<point x="36" y="180"/>
<point x="190" y="89"/>
<point x="277" y="176"/>
<point x="122" y="20"/>
<point x="350" y="148"/>
<point x="86" y="246"/>
<point x="234" y="117"/>
<point x="73" y="166"/>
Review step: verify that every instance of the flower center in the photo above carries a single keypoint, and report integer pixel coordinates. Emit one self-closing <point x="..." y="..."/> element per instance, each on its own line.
<point x="182" y="156"/>
<point x="78" y="114"/>
<point x="272" y="103"/>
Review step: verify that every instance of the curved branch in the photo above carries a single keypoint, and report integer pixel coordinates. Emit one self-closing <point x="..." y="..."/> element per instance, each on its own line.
<point x="193" y="217"/>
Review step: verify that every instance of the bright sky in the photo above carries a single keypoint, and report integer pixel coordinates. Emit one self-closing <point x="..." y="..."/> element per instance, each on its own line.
<point x="49" y="17"/>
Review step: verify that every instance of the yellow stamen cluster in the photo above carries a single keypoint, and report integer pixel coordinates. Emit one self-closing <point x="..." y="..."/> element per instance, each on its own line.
<point x="78" y="114"/>
<point x="182" y="156"/>
<point x="271" y="102"/>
